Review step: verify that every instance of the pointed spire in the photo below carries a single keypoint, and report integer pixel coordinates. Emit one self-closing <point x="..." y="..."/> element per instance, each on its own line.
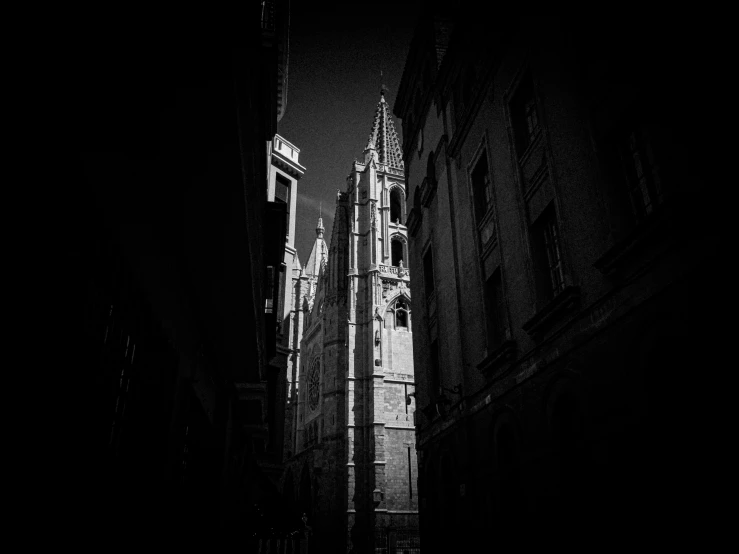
<point x="383" y="139"/>
<point x="319" y="250"/>
<point x="319" y="228"/>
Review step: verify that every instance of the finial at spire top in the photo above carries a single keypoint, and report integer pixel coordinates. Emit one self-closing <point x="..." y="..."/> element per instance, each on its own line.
<point x="319" y="228"/>
<point x="383" y="88"/>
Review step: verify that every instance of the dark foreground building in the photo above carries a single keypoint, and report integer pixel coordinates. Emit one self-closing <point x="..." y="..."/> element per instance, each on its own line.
<point x="173" y="254"/>
<point x="563" y="264"/>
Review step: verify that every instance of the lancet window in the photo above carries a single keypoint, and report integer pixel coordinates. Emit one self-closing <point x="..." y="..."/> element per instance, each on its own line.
<point x="397" y="205"/>
<point x="398" y="251"/>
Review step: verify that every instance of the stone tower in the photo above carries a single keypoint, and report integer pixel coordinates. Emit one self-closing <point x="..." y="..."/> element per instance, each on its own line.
<point x="353" y="467"/>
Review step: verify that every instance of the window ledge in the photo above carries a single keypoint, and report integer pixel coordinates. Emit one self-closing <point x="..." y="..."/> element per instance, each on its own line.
<point x="552" y="310"/>
<point x="617" y="254"/>
<point x="497" y="358"/>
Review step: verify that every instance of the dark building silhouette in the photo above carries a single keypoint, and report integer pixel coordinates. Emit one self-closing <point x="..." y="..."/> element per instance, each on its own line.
<point x="174" y="254"/>
<point x="562" y="259"/>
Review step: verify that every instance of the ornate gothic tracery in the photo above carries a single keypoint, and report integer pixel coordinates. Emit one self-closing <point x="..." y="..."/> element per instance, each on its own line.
<point x="399" y="313"/>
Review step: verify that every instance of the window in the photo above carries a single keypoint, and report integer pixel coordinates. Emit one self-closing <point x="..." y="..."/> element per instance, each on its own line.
<point x="396" y="251"/>
<point x="495" y="310"/>
<point x="641" y="173"/>
<point x="482" y="188"/>
<point x="547" y="252"/>
<point x="282" y="195"/>
<point x="428" y="273"/>
<point x="396" y="205"/>
<point x="524" y="115"/>
<point x="269" y="289"/>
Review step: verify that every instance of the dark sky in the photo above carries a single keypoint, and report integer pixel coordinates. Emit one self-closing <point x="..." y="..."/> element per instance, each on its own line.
<point x="337" y="51"/>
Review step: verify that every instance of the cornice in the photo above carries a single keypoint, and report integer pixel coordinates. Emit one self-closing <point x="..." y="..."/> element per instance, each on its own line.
<point x="295" y="169"/>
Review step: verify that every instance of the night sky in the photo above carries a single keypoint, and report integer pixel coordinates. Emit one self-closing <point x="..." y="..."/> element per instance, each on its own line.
<point x="337" y="51"/>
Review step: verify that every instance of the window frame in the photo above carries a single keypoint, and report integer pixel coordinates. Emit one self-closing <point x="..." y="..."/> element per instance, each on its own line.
<point x="549" y="268"/>
<point x="485" y="218"/>
<point x="400" y="238"/>
<point x="397" y="190"/>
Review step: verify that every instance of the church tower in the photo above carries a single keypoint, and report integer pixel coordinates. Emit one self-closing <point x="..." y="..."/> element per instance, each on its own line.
<point x="353" y="471"/>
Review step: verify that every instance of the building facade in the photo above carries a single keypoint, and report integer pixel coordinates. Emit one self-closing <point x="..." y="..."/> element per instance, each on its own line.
<point x="558" y="289"/>
<point x="352" y="460"/>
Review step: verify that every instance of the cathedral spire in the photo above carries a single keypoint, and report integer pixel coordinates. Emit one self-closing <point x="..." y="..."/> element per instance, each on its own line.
<point x="319" y="228"/>
<point x="319" y="250"/>
<point x="383" y="139"/>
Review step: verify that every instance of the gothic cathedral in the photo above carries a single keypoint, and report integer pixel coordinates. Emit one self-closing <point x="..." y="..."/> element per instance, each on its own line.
<point x="350" y="451"/>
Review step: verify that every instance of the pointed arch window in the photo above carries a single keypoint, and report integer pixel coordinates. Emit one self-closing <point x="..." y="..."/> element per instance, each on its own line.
<point x="399" y="313"/>
<point x="397" y="205"/>
<point x="397" y="250"/>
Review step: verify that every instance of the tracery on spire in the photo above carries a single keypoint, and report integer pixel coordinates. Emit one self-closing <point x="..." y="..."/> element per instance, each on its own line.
<point x="383" y="137"/>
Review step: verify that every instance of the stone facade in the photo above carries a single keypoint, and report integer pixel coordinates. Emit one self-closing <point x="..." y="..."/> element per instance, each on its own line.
<point x="285" y="173"/>
<point x="351" y="466"/>
<point x="562" y="291"/>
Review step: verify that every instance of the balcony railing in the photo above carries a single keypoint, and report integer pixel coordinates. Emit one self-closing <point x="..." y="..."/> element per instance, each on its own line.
<point x="393" y="270"/>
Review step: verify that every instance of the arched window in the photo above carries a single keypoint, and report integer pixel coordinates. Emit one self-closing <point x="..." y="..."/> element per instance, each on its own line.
<point x="399" y="315"/>
<point x="397" y="248"/>
<point x="396" y="205"/>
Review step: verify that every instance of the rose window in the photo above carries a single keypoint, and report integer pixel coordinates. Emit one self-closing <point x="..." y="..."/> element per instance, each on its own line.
<point x="314" y="381"/>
